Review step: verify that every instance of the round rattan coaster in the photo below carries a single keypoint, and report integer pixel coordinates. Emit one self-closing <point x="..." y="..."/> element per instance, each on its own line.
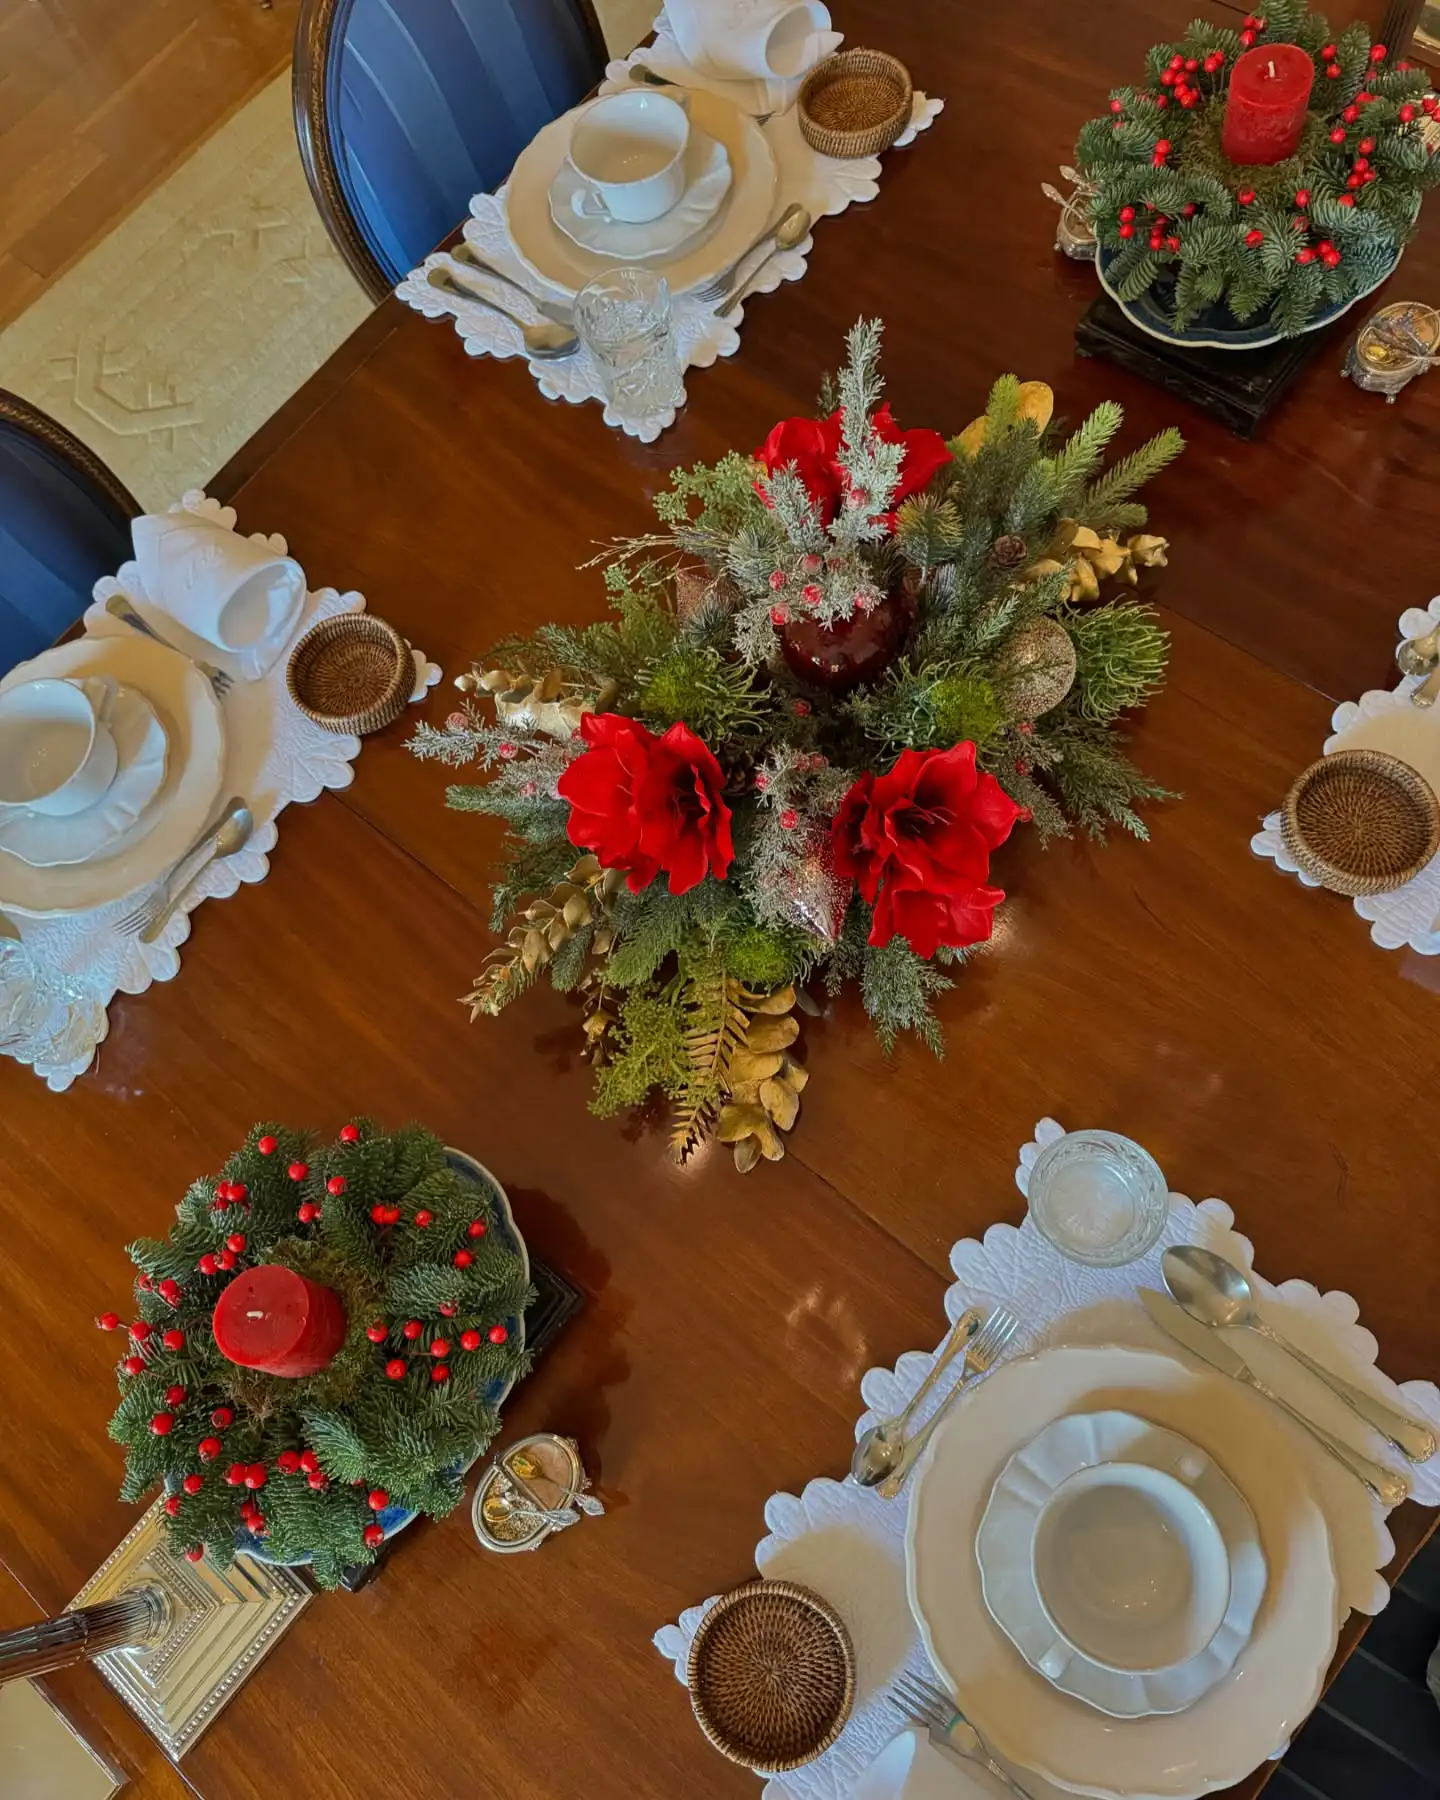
<point x="855" y="104"/>
<point x="1361" y="822"/>
<point x="772" y="1676"/>
<point x="352" y="673"/>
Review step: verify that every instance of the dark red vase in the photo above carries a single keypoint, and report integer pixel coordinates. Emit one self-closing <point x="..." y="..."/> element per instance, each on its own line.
<point x="845" y="655"/>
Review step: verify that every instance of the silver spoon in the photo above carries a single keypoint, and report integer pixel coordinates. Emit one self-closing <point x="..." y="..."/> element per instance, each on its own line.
<point x="547" y="342"/>
<point x="1216" y="1293"/>
<point x="717" y="288"/>
<point x="1419" y="655"/>
<point x="234" y="833"/>
<point x="793" y="229"/>
<point x="879" y="1451"/>
<point x="462" y="252"/>
<point x="1428" y="691"/>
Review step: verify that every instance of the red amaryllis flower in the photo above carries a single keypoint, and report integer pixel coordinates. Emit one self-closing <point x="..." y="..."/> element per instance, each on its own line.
<point x="917" y="841"/>
<point x="813" y="446"/>
<point x="644" y="804"/>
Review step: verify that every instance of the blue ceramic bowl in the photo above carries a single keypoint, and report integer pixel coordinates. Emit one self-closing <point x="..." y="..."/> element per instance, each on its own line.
<point x="396" y="1518"/>
<point x="1216" y="328"/>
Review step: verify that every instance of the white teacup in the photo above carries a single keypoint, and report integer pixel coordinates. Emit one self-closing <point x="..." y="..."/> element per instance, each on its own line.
<point x="1130" y="1568"/>
<point x="629" y="152"/>
<point x="56" y="753"/>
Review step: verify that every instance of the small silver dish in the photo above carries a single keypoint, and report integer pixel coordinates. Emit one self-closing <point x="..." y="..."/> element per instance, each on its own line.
<point x="533" y="1488"/>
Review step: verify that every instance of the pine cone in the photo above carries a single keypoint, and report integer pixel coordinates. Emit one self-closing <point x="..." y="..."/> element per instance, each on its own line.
<point x="1009" y="552"/>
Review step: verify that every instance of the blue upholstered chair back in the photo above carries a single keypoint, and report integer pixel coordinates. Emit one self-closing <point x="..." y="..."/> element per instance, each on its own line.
<point x="418" y="104"/>
<point x="64" y="522"/>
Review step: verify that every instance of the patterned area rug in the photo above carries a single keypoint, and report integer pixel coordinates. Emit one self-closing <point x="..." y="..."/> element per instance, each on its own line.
<point x="180" y="333"/>
<point x="172" y="341"/>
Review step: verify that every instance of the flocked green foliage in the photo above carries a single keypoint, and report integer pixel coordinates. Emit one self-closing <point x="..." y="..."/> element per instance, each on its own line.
<point x="411" y="1437"/>
<point x="981" y="554"/>
<point x="1279" y="241"/>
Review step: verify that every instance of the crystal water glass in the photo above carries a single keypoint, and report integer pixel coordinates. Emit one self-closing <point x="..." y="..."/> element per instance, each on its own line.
<point x="624" y="318"/>
<point x="1098" y="1198"/>
<point x="46" y="1016"/>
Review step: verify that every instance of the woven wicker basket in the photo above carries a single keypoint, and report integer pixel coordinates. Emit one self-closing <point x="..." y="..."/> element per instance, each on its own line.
<point x="353" y="674"/>
<point x="772" y="1676"/>
<point x="855" y="104"/>
<point x="1361" y="822"/>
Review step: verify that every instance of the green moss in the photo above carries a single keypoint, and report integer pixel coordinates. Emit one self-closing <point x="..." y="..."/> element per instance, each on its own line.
<point x="964" y="707"/>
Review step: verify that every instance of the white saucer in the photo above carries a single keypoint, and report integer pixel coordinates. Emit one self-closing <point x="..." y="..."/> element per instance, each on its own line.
<point x="141" y="746"/>
<point x="564" y="266"/>
<point x="187" y="709"/>
<point x="910" y="1767"/>
<point x="707" y="181"/>
<point x="1007" y="1531"/>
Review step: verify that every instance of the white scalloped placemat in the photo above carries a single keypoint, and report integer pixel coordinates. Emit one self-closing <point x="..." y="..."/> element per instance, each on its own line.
<point x="849" y="1545"/>
<point x="1408" y="917"/>
<point x="823" y="184"/>
<point x="274" y="755"/>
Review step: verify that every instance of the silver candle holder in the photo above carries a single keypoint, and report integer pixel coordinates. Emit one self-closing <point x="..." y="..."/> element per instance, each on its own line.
<point x="175" y="1639"/>
<point x="1074" y="234"/>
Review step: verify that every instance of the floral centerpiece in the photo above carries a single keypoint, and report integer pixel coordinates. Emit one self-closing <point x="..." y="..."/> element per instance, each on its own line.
<point x="319" y="1347"/>
<point x="1288" y="228"/>
<point x="849" y="667"/>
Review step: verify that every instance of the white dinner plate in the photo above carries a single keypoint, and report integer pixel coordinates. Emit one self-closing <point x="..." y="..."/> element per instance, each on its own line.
<point x="707" y="181"/>
<point x="47" y="842"/>
<point x="910" y="1767"/>
<point x="1007" y="1533"/>
<point x="190" y="715"/>
<point x="1277" y="1678"/>
<point x="741" y="217"/>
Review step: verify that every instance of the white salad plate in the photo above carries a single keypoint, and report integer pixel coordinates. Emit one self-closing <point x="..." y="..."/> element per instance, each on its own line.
<point x="189" y="715"/>
<point x="910" y="1767"/>
<point x="740" y="218"/>
<point x="707" y="181"/>
<point x="1004" y="1550"/>
<point x="1276" y="1680"/>
<point x="48" y="842"/>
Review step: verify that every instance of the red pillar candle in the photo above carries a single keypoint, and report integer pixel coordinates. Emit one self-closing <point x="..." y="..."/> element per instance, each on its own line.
<point x="1265" y="112"/>
<point x="272" y="1319"/>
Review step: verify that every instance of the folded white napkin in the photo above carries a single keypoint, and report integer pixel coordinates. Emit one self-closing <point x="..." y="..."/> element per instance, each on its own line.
<point x="771" y="42"/>
<point x="910" y="1767"/>
<point x="235" y="593"/>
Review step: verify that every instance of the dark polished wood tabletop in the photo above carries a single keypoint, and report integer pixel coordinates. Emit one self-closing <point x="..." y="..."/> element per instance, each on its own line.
<point x="1241" y="1026"/>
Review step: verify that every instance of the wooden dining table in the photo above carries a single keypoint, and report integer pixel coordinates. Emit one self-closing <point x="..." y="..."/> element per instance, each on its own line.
<point x="1182" y="991"/>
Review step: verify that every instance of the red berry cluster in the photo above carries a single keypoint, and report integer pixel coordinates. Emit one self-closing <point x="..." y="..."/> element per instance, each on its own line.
<point x="1251" y="29"/>
<point x="1177" y="78"/>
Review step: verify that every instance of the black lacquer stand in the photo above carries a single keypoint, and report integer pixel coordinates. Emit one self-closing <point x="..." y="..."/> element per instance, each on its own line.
<point x="556" y="1303"/>
<point x="1240" y="387"/>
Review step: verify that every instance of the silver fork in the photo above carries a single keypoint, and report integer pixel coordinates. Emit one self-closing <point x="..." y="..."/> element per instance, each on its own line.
<point x="720" y="285"/>
<point x="980" y="1354"/>
<point x="157" y="898"/>
<point x="560" y="315"/>
<point x="922" y="1703"/>
<point x="119" y="607"/>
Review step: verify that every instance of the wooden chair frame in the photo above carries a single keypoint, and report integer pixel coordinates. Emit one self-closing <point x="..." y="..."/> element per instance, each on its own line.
<point x="65" y="447"/>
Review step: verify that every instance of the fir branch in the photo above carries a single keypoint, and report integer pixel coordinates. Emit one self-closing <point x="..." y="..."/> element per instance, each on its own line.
<point x="1129" y="475"/>
<point x="897" y="986"/>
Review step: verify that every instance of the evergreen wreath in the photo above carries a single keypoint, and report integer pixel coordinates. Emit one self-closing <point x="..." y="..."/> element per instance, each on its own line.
<point x="1315" y="230"/>
<point x="847" y="666"/>
<point x="326" y="1465"/>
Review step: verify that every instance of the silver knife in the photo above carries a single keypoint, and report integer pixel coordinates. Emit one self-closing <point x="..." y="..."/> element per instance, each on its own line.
<point x="1388" y="1485"/>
